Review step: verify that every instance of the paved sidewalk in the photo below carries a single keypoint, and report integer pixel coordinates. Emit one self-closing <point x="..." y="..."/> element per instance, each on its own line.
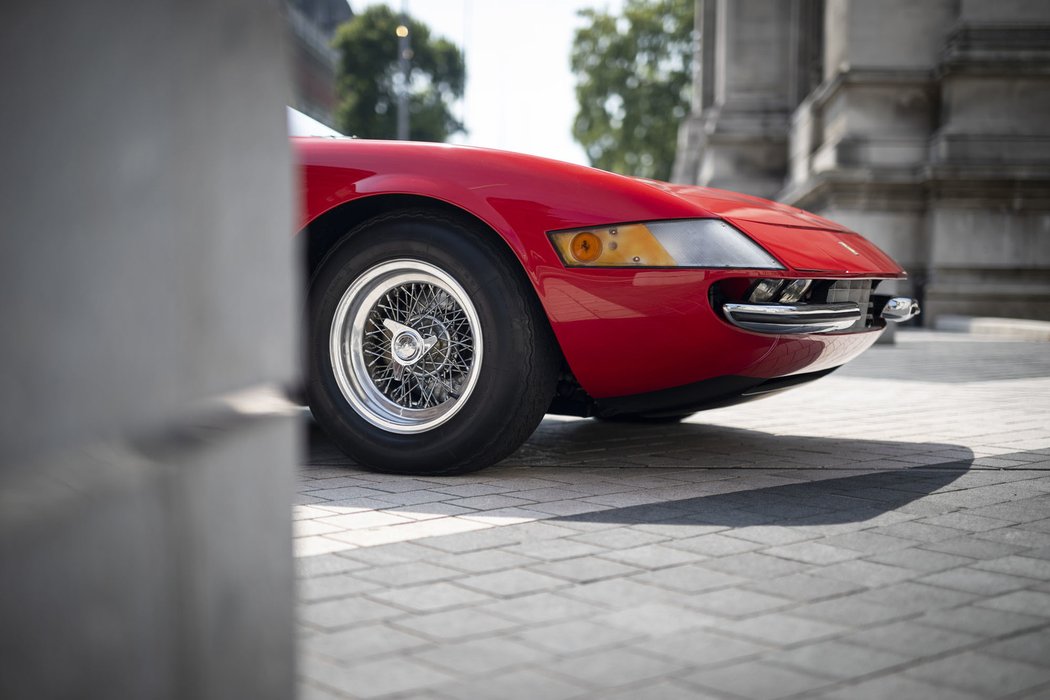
<point x="882" y="533"/>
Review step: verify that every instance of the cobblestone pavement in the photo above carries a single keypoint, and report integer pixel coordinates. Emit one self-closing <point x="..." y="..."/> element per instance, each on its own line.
<point x="881" y="533"/>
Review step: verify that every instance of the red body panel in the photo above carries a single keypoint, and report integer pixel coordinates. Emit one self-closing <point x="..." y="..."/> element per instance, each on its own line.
<point x="622" y="331"/>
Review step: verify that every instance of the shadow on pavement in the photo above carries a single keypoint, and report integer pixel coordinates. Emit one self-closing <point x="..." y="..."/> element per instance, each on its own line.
<point x="737" y="464"/>
<point x="590" y="443"/>
<point x="825" y="501"/>
<point x="887" y="477"/>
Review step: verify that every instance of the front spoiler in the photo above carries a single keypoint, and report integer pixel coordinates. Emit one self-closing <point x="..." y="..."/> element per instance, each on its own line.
<point x="702" y="395"/>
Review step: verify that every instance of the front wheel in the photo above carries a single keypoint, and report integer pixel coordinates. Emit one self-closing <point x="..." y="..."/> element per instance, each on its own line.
<point x="428" y="352"/>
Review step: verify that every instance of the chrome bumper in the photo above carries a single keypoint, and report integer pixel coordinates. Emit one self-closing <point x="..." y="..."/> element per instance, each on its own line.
<point x="792" y="318"/>
<point x="811" y="318"/>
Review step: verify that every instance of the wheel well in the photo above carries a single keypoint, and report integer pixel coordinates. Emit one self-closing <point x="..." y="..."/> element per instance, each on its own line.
<point x="324" y="232"/>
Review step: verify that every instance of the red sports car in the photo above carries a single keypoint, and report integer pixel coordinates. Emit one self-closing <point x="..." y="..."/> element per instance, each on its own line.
<point x="457" y="294"/>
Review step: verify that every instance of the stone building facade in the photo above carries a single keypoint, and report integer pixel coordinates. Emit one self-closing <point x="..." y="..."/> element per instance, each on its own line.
<point x="924" y="125"/>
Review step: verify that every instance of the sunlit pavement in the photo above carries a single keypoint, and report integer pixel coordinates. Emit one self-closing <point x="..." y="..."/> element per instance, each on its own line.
<point x="882" y="533"/>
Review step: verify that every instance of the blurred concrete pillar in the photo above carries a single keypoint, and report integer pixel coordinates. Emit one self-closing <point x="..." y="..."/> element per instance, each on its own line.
<point x="147" y="296"/>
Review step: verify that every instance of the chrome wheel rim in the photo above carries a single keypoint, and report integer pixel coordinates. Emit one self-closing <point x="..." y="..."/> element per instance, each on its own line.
<point x="406" y="346"/>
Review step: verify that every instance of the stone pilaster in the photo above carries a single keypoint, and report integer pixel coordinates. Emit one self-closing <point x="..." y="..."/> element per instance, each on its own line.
<point x="748" y="81"/>
<point x="989" y="165"/>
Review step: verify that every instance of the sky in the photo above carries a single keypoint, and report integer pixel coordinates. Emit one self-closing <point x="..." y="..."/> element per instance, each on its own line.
<point x="520" y="93"/>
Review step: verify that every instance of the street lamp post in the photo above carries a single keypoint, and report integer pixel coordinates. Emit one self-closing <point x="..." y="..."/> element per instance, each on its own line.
<point x="404" y="52"/>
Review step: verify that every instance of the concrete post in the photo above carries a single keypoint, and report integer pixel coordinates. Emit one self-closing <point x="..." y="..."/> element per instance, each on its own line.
<point x="148" y="297"/>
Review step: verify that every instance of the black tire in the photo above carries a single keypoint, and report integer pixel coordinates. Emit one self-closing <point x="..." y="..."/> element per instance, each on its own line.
<point x="517" y="359"/>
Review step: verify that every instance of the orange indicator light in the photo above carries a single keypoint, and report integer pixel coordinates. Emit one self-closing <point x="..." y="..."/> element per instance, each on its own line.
<point x="586" y="247"/>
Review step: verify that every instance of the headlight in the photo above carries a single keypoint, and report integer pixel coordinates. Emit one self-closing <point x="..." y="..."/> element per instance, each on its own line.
<point x="765" y="290"/>
<point x="782" y="291"/>
<point x="687" y="243"/>
<point x="794" y="291"/>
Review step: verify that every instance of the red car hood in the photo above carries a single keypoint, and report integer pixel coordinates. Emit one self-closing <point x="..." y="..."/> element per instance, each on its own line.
<point x="806" y="242"/>
<point x="743" y="207"/>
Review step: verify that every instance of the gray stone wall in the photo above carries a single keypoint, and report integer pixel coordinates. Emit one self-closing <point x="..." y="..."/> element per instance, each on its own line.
<point x="927" y="132"/>
<point x="148" y="295"/>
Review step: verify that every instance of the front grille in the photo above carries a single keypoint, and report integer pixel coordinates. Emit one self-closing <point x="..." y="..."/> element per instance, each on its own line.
<point x="857" y="291"/>
<point x="822" y="291"/>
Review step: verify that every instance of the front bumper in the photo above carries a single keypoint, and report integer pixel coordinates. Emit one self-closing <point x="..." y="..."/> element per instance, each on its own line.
<point x="788" y="319"/>
<point x="625" y="332"/>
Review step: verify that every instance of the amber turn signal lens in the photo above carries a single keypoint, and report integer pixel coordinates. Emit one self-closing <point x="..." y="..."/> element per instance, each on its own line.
<point x="678" y="243"/>
<point x="586" y="247"/>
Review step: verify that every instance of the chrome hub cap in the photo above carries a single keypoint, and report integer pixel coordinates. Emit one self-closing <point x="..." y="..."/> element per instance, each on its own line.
<point x="408" y="347"/>
<point x="405" y="346"/>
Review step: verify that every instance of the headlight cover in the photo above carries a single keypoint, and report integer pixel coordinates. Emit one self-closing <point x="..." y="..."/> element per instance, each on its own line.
<point x="683" y="243"/>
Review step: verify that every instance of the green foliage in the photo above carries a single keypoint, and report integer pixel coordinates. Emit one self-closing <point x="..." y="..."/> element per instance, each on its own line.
<point x="365" y="82"/>
<point x="632" y="84"/>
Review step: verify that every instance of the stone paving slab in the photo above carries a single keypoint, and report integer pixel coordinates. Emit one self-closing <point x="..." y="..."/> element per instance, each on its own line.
<point x="882" y="533"/>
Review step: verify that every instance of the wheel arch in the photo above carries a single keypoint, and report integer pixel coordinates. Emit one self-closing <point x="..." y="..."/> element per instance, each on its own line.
<point x="325" y="231"/>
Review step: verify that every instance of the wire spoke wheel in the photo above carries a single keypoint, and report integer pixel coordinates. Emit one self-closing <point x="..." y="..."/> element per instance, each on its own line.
<point x="400" y="375"/>
<point x="406" y="346"/>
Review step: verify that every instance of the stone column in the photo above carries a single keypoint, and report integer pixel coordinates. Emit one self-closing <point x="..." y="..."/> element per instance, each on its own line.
<point x="749" y="79"/>
<point x="989" y="170"/>
<point x="148" y="298"/>
<point x="691" y="139"/>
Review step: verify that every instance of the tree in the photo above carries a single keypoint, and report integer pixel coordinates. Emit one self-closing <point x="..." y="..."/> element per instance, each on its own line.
<point x="368" y="75"/>
<point x="632" y="85"/>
